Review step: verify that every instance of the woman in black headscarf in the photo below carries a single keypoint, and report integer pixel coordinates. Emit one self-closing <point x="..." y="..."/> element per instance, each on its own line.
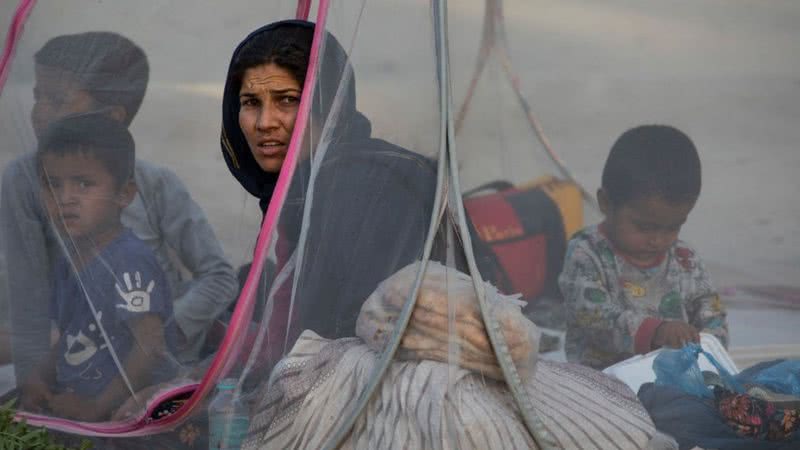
<point x="286" y="47"/>
<point x="372" y="201"/>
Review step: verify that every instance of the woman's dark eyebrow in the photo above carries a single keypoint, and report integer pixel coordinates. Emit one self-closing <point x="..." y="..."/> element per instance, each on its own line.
<point x="272" y="92"/>
<point x="283" y="91"/>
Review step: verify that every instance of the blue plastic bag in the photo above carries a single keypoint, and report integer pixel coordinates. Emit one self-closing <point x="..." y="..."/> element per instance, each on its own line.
<point x="679" y="369"/>
<point x="783" y="378"/>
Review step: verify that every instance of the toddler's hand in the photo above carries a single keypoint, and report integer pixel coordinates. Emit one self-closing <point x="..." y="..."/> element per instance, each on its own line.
<point x="675" y="334"/>
<point x="36" y="395"/>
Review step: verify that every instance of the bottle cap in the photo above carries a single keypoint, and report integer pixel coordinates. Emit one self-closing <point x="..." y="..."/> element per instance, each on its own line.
<point x="226" y="384"/>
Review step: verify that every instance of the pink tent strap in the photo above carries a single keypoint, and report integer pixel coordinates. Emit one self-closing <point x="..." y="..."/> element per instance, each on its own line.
<point x="303" y="8"/>
<point x="232" y="343"/>
<point x="12" y="38"/>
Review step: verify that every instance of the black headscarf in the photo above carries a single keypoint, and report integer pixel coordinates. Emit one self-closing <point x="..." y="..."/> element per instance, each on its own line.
<point x="351" y="125"/>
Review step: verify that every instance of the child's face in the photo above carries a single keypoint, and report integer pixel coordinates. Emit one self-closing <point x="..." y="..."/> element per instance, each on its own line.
<point x="81" y="196"/>
<point x="57" y="94"/>
<point x="645" y="228"/>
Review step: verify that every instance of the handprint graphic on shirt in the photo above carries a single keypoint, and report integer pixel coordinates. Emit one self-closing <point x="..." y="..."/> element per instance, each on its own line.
<point x="136" y="299"/>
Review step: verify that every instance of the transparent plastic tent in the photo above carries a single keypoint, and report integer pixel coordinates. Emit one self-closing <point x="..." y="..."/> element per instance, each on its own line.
<point x="400" y="289"/>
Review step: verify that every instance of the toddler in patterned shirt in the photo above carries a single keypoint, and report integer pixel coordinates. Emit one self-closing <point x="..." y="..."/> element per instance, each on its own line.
<point x="629" y="284"/>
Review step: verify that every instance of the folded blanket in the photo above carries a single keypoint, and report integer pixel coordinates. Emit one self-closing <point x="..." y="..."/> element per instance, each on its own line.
<point x="431" y="405"/>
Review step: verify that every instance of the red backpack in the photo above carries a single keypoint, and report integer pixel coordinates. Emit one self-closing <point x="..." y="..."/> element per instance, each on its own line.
<point x="521" y="233"/>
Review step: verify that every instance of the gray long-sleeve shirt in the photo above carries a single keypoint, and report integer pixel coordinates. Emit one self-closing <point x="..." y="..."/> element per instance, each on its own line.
<point x="162" y="214"/>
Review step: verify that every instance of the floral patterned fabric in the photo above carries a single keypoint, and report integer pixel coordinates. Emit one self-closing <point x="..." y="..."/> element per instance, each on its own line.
<point x="756" y="418"/>
<point x="613" y="306"/>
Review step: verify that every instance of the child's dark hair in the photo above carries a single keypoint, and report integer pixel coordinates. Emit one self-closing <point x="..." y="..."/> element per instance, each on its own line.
<point x="110" y="67"/>
<point x="652" y="160"/>
<point x="288" y="47"/>
<point x="97" y="135"/>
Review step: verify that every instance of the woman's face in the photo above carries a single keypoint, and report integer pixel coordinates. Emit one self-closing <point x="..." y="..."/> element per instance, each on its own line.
<point x="269" y="99"/>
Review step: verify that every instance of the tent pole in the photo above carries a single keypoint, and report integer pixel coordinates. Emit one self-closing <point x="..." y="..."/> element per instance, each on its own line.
<point x="494" y="31"/>
<point x="404" y="316"/>
<point x="544" y="440"/>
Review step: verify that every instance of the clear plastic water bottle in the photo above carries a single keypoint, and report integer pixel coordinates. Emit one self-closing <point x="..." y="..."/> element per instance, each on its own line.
<point x="228" y="418"/>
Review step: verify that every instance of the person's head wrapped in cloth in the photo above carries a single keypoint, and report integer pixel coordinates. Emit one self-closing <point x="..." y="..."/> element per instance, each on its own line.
<point x="261" y="100"/>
